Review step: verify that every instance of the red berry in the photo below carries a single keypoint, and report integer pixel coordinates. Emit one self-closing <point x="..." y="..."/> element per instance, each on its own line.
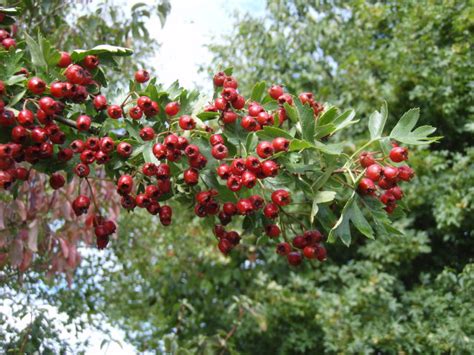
<point x="82" y="170"/>
<point x="191" y="150"/>
<point x="265" y="149"/>
<point x="26" y="118"/>
<point x="100" y="102"/>
<point x="269" y="168"/>
<point x="125" y="184"/>
<point x="366" y="159"/>
<point x="405" y="173"/>
<point x="257" y="201"/>
<point x="39" y="135"/>
<point x="225" y="246"/>
<point x="229" y="208"/>
<point x="238" y="166"/>
<point x="83" y="123"/>
<point x="229" y="94"/>
<point x="239" y="102"/>
<point x="366" y="186"/>
<point x="299" y="241"/>
<point x="310" y="252"/>
<point x="219" y="79"/>
<point x="397" y="192"/>
<point x="387" y="198"/>
<point x="249" y="123"/>
<point x="187" y="122"/>
<point x="22" y="173"/>
<point x="147" y="133"/>
<point x="229" y="117"/>
<point x="91" y="62"/>
<point x="172" y="108"/>
<point x="48" y="105"/>
<point x="234" y="183"/>
<point x="321" y="253"/>
<point x="135" y="112"/>
<point x="58" y="89"/>
<point x="36" y="85"/>
<point x="253" y="164"/>
<point x="219" y="151"/>
<point x="153" y="110"/>
<point x="142" y="200"/>
<point x="271" y="210"/>
<point x="265" y="119"/>
<point x="152" y="191"/>
<point x="216" y="139"/>
<point x="275" y="91"/>
<point x="285" y="98"/>
<point x="230" y="82"/>
<point x="165" y="215"/>
<point x="374" y="172"/>
<point x="76" y="74"/>
<point x="283" y="248"/>
<point x="224" y="171"/>
<point x="221" y="104"/>
<point x="142" y="76"/>
<point x="255" y="109"/>
<point x="8" y="43"/>
<point x="398" y="154"/>
<point x="149" y="169"/>
<point x="124" y="149"/>
<point x="191" y="176"/>
<point x="65" y="60"/>
<point x="249" y="180"/>
<point x="171" y="141"/>
<point x="114" y="111"/>
<point x="272" y="230"/>
<point x="77" y="146"/>
<point x="159" y="151"/>
<point x="313" y="237"/>
<point x="163" y="171"/>
<point x="81" y="205"/>
<point x="57" y="181"/>
<point x="144" y="102"/>
<point x="244" y="206"/>
<point x="281" y="197"/>
<point x="106" y="144"/>
<point x="390" y="172"/>
<point x="294" y="258"/>
<point x="306" y="98"/>
<point x="280" y="144"/>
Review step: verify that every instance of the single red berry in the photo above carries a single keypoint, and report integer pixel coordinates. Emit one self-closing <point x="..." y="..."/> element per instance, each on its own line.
<point x="219" y="151"/>
<point x="182" y="143"/>
<point x="77" y="146"/>
<point x="373" y="172"/>
<point x="101" y="157"/>
<point x="321" y="253"/>
<point x="65" y="60"/>
<point x="390" y="172"/>
<point x="265" y="119"/>
<point x="366" y="159"/>
<point x="39" y="135"/>
<point x="306" y="98"/>
<point x="229" y="208"/>
<point x="281" y="197"/>
<point x="234" y="183"/>
<point x="397" y="192"/>
<point x="272" y="230"/>
<point x="255" y="109"/>
<point x="172" y="108"/>
<point x="239" y="102"/>
<point x="144" y="102"/>
<point x="299" y="242"/>
<point x="152" y="191"/>
<point x="285" y="98"/>
<point x="125" y="184"/>
<point x="22" y="173"/>
<point x="149" y="169"/>
<point x="87" y="156"/>
<point x="153" y="110"/>
<point x="229" y="117"/>
<point x="257" y="201"/>
<point x="398" y="154"/>
<point x="135" y="112"/>
<point x="191" y="176"/>
<point x="253" y="164"/>
<point x="221" y="104"/>
<point x="265" y="149"/>
<point x="171" y="141"/>
<point x="81" y="205"/>
<point x="26" y="118"/>
<point x="219" y="79"/>
<point x="147" y="133"/>
<point x="224" y="171"/>
<point x="219" y="231"/>
<point x="106" y="144"/>
<point x="65" y="154"/>
<point x="91" y="62"/>
<point x="191" y="150"/>
<point x="187" y="122"/>
<point x="280" y="144"/>
<point x="165" y="215"/>
<point x="82" y="170"/>
<point x="124" y="149"/>
<point x="48" y="105"/>
<point x="216" y="139"/>
<point x="244" y="207"/>
<point x="83" y="123"/>
<point x="57" y="181"/>
<point x="405" y="173"/>
<point x="294" y="258"/>
<point x="114" y="111"/>
<point x="8" y="43"/>
<point x="269" y="168"/>
<point x="36" y="85"/>
<point x="249" y="123"/>
<point x="238" y="166"/>
<point x="142" y="76"/>
<point x="142" y="200"/>
<point x="366" y="186"/>
<point x="100" y="102"/>
<point x="159" y="151"/>
<point x="58" y="89"/>
<point x="385" y="183"/>
<point x="313" y="237"/>
<point x="275" y="91"/>
<point x="249" y="180"/>
<point x="76" y="74"/>
<point x="310" y="252"/>
<point x="163" y="171"/>
<point x="225" y="246"/>
<point x="230" y="82"/>
<point x="271" y="210"/>
<point x="229" y="94"/>
<point x="198" y="162"/>
<point x="283" y="248"/>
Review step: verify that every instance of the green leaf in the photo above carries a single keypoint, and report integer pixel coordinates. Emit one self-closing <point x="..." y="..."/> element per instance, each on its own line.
<point x="37" y="57"/>
<point x="307" y="120"/>
<point x="403" y="131"/>
<point x="148" y="155"/>
<point x="257" y="91"/>
<point x="292" y="113"/>
<point x="323" y="131"/>
<point x="100" y="50"/>
<point x="377" y="122"/>
<point x="251" y="142"/>
<point x="345" y="119"/>
<point x="327" y="117"/>
<point x="269" y="132"/>
<point x="228" y="71"/>
<point x="206" y="116"/>
<point x="298" y="144"/>
<point x="17" y="98"/>
<point x="324" y="196"/>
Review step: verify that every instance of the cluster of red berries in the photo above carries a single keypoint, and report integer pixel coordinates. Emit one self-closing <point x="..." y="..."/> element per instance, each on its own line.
<point x="309" y="243"/>
<point x="6" y="37"/>
<point x="227" y="239"/>
<point x="382" y="180"/>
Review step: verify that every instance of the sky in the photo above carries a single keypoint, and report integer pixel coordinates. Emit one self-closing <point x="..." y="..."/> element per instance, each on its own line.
<point x="190" y="25"/>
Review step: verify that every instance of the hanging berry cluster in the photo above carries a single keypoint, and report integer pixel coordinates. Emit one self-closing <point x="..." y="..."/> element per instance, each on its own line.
<point x="252" y="166"/>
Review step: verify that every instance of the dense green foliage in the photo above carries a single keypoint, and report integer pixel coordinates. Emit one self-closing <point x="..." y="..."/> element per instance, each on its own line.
<point x="411" y="294"/>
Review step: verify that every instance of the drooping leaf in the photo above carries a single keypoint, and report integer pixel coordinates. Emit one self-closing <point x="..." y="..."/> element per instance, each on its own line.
<point x="100" y="50"/>
<point x="377" y="122"/>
